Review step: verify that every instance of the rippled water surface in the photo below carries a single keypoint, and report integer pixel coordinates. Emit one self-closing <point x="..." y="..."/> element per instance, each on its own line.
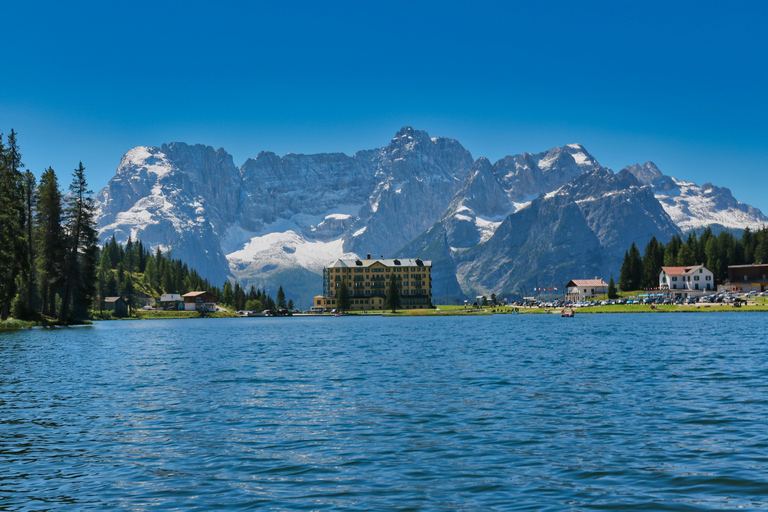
<point x="641" y="412"/>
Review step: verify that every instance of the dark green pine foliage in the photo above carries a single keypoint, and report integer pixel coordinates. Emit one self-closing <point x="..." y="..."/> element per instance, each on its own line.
<point x="227" y="297"/>
<point x="343" y="301"/>
<point x="30" y="284"/>
<point x="13" y="243"/>
<point x="653" y="260"/>
<point x="49" y="238"/>
<point x="281" y="298"/>
<point x="631" y="277"/>
<point x="612" y="292"/>
<point x="81" y="250"/>
<point x="716" y="252"/>
<point x="671" y="250"/>
<point x="392" y="300"/>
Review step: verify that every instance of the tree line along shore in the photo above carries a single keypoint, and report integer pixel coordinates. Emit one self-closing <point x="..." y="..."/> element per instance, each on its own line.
<point x="53" y="272"/>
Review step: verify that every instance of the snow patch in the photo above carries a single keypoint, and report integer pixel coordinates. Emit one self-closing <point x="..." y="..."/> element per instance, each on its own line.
<point x="270" y="250"/>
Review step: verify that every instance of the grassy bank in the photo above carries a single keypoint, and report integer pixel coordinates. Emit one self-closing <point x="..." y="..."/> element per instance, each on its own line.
<point x="164" y="315"/>
<point x="12" y="323"/>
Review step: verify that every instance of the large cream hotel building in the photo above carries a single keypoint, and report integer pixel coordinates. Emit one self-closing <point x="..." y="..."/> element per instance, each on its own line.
<point x="367" y="281"/>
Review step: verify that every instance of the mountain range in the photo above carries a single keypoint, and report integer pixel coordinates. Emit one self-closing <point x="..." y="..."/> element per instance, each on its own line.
<point x="504" y="227"/>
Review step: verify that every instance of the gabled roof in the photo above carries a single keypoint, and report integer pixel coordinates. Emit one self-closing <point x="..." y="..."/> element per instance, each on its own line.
<point x="681" y="271"/>
<point x="197" y="294"/>
<point x="391" y="263"/>
<point x="586" y="282"/>
<point x="112" y="299"/>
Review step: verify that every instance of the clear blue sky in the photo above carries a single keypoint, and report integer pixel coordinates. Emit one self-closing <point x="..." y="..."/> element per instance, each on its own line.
<point x="684" y="84"/>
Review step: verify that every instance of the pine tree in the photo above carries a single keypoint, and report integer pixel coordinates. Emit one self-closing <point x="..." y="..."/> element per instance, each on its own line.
<point x="612" y="292"/>
<point x="49" y="238"/>
<point x="392" y="300"/>
<point x="761" y="251"/>
<point x="81" y="250"/>
<point x="290" y="304"/>
<point x="653" y="260"/>
<point x="343" y="301"/>
<point x="129" y="292"/>
<point x="636" y="262"/>
<point x="12" y="234"/>
<point x="30" y="204"/>
<point x="281" y="298"/>
<point x="625" y="274"/>
<point x="227" y="297"/>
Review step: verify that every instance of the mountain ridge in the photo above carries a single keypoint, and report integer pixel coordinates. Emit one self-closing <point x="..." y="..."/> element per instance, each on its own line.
<point x="291" y="215"/>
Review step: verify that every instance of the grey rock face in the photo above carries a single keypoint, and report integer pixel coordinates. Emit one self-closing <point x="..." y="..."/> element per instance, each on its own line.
<point x="581" y="230"/>
<point x="416" y="178"/>
<point x="525" y="220"/>
<point x="178" y="197"/>
<point x="693" y="207"/>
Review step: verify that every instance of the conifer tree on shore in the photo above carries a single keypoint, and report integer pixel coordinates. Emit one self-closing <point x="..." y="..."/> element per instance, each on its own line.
<point x="392" y="300"/>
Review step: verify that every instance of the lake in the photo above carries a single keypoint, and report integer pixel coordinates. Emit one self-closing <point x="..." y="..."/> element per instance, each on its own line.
<point x="506" y="412"/>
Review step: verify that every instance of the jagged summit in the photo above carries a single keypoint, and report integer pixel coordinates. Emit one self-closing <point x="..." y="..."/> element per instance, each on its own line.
<point x="693" y="207"/>
<point x="281" y="219"/>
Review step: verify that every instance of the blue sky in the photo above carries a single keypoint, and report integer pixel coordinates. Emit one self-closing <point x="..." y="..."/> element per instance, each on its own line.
<point x="684" y="84"/>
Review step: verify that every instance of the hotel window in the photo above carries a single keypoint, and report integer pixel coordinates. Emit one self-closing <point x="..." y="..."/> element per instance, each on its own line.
<point x="695" y="278"/>
<point x="674" y="278"/>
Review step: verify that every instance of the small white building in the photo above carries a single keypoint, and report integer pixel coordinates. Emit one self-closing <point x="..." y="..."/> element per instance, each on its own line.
<point x="583" y="289"/>
<point x="686" y="281"/>
<point x="171" y="297"/>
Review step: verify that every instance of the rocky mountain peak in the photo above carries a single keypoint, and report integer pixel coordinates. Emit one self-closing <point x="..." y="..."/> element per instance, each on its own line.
<point x="647" y="173"/>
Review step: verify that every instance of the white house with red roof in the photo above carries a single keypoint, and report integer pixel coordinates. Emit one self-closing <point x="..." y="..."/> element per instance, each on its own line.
<point x="686" y="281"/>
<point x="582" y="289"/>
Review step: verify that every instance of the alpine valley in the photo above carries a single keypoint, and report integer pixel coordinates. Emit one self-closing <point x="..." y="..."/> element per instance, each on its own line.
<point x="526" y="220"/>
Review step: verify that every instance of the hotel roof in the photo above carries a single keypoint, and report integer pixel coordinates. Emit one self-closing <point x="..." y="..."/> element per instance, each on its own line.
<point x="395" y="262"/>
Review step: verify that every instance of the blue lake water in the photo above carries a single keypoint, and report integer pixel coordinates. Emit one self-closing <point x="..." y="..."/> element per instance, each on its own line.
<point x="599" y="412"/>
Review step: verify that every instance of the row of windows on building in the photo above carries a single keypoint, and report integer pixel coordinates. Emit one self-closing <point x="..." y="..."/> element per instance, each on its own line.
<point x="402" y="292"/>
<point x="382" y="278"/>
<point x="696" y="286"/>
<point x="375" y="269"/>
<point x="695" y="278"/>
<point x="332" y="302"/>
<point x="381" y="285"/>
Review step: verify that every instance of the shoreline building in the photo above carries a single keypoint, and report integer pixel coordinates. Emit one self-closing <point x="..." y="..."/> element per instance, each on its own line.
<point x="367" y="281"/>
<point x="684" y="282"/>
<point x="582" y="289"/>
<point x="202" y="302"/>
<point x="748" y="278"/>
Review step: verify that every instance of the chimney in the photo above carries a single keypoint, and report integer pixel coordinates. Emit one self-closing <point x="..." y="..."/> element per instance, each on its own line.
<point x="369" y="256"/>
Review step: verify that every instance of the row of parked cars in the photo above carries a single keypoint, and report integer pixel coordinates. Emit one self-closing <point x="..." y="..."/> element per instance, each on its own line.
<point x="715" y="298"/>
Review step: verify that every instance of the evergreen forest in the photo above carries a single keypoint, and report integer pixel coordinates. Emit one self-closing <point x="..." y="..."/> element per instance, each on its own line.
<point x="52" y="269"/>
<point x="715" y="252"/>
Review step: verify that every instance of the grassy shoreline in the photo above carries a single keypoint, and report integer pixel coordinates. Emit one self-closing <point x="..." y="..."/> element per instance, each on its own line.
<point x="14" y="324"/>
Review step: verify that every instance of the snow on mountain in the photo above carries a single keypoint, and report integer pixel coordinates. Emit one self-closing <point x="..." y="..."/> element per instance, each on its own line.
<point x="280" y="220"/>
<point x="694" y="207"/>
